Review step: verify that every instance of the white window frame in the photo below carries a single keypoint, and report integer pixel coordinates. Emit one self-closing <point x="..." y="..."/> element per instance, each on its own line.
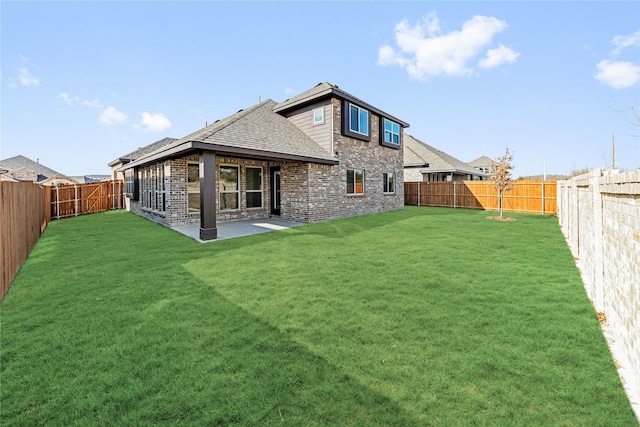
<point x="385" y="183"/>
<point x="355" y="193"/>
<point x="193" y="192"/>
<point x="321" y="120"/>
<point x="236" y="191"/>
<point x="247" y="191"/>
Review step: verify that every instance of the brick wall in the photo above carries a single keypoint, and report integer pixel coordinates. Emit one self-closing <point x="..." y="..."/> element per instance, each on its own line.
<point x="599" y="213"/>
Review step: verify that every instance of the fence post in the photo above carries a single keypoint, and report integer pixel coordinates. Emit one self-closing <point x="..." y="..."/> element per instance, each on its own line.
<point x="543" y="197"/>
<point x="57" y="203"/>
<point x="454" y="194"/>
<point x="419" y="184"/>
<point x="75" y="200"/>
<point x="113" y="191"/>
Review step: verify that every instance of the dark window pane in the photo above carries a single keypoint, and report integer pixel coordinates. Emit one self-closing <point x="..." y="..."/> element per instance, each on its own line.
<point x="353" y="118"/>
<point x="254" y="179"/>
<point x="254" y="200"/>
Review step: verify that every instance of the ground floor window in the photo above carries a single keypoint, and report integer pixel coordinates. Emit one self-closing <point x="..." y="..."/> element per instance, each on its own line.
<point x="152" y="188"/>
<point x="388" y="181"/>
<point x="254" y="187"/>
<point x="229" y="188"/>
<point x="193" y="187"/>
<point x="355" y="181"/>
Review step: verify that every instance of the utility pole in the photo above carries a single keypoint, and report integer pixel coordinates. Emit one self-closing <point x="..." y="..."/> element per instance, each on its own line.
<point x="613" y="152"/>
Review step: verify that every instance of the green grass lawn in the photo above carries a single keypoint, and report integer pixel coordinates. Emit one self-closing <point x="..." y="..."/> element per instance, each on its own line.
<point x="424" y="316"/>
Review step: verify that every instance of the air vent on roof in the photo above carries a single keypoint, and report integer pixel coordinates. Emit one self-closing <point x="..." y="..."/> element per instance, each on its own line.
<point x="240" y="110"/>
<point x="426" y="165"/>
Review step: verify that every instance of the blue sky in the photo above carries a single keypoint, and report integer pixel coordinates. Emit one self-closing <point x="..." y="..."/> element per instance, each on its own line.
<point x="85" y="82"/>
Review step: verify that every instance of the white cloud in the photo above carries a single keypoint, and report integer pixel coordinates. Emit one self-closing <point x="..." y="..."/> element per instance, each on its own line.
<point x="155" y="121"/>
<point x="423" y="50"/>
<point x="289" y="91"/>
<point x="93" y="103"/>
<point x="26" y="78"/>
<point x="111" y="116"/>
<point x="499" y="56"/>
<point x="617" y="74"/>
<point x="626" y="41"/>
<point x="68" y="99"/>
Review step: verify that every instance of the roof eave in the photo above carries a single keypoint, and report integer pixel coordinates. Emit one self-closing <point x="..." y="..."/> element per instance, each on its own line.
<point x="205" y="146"/>
<point x="339" y="94"/>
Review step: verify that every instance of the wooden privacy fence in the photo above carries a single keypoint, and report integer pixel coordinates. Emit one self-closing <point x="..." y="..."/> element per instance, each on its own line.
<point x="24" y="214"/>
<point x="81" y="199"/>
<point x="526" y="196"/>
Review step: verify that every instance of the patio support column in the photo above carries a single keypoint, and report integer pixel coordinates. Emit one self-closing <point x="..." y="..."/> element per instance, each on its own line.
<point x="208" y="229"/>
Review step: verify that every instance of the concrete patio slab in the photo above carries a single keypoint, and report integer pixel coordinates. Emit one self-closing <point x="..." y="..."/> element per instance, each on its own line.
<point x="231" y="229"/>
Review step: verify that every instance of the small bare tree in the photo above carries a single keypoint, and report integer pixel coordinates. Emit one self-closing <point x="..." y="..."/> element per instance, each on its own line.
<point x="502" y="175"/>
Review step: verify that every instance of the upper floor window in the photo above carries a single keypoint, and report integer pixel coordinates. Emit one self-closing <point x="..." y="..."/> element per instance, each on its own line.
<point x="318" y="116"/>
<point x="358" y="120"/>
<point x="391" y="132"/>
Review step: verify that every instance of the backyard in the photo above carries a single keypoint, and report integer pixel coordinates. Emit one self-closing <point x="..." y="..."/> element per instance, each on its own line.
<point x="423" y="316"/>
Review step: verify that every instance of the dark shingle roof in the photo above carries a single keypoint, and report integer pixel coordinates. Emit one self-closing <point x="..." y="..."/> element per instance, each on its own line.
<point x="256" y="130"/>
<point x="481" y="161"/>
<point x="419" y="154"/>
<point x="24" y="163"/>
<point x="143" y="151"/>
<point x="326" y="89"/>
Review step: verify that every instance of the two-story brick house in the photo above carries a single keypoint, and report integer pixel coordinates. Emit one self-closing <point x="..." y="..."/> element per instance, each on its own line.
<point x="321" y="155"/>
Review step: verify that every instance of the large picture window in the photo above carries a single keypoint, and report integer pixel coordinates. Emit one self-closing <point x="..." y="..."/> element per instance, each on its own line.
<point x="228" y="188"/>
<point x="254" y="187"/>
<point x="355" y="181"/>
<point x="388" y="179"/>
<point x="193" y="187"/>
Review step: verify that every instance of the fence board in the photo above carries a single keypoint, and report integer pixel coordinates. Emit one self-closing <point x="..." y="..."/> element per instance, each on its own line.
<point x="24" y="214"/>
<point x="526" y="196"/>
<point x="80" y="199"/>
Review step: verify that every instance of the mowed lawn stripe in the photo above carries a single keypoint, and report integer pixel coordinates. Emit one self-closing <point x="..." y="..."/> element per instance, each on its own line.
<point x="423" y="316"/>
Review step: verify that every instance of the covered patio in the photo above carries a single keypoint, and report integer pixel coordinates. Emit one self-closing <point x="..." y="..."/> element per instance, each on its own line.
<point x="231" y="229"/>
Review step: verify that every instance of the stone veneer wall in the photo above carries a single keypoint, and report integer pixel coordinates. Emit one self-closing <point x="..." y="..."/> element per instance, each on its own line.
<point x="599" y="213"/>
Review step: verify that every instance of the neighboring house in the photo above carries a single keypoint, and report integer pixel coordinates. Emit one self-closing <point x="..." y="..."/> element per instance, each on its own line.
<point x="21" y="168"/>
<point x="321" y="155"/>
<point x="91" y="179"/>
<point x="423" y="162"/>
<point x="483" y="164"/>
<point x="135" y="155"/>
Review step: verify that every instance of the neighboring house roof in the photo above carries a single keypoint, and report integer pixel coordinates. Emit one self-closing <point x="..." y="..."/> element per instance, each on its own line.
<point x="481" y="161"/>
<point x="90" y="179"/>
<point x="429" y="159"/>
<point x="256" y="131"/>
<point x="142" y="151"/>
<point x="326" y="90"/>
<point x="25" y="164"/>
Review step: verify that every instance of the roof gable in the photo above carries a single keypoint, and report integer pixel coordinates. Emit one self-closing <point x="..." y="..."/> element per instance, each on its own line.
<point x="26" y="164"/>
<point x="419" y="154"/>
<point x="142" y="151"/>
<point x="326" y="89"/>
